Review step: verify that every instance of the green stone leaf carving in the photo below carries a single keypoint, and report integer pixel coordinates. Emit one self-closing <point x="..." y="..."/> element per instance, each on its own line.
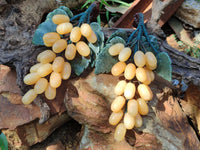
<point x="164" y="68"/>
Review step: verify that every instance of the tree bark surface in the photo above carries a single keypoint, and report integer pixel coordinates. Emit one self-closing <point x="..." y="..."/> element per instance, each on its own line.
<point x="88" y="97"/>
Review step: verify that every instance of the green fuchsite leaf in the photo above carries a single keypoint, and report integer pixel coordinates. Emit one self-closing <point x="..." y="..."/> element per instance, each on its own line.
<point x="164" y="68"/>
<point x="104" y="61"/>
<point x="61" y="10"/>
<point x="67" y="10"/>
<point x="48" y="25"/>
<point x="95" y="26"/>
<point x="121" y="33"/>
<point x="100" y="36"/>
<point x="45" y="27"/>
<point x="98" y="46"/>
<point x="55" y="12"/>
<point x="95" y="49"/>
<point x="146" y="44"/>
<point x="117" y="39"/>
<point x="154" y="41"/>
<point x="3" y="142"/>
<point x="79" y="64"/>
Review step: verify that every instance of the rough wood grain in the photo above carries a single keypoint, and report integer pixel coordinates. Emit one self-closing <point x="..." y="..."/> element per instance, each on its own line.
<point x="13" y="113"/>
<point x="158" y="7"/>
<point x="31" y="133"/>
<point x="145" y="7"/>
<point x="191" y="106"/>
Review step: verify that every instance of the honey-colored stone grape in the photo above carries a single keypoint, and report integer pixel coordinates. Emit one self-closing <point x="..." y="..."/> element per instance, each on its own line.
<point x="138" y="121"/>
<point x="46" y="56"/>
<point x="29" y="97"/>
<point x="86" y="30"/>
<point x="118" y="103"/>
<point x="152" y="75"/>
<point x="132" y="107"/>
<point x="65" y="74"/>
<point x="129" y="121"/>
<point x="124" y="54"/>
<point x="83" y="49"/>
<point x="59" y="46"/>
<point x="151" y="61"/>
<point x="115" y="49"/>
<point x="75" y="34"/>
<point x="31" y="78"/>
<point x="35" y="67"/>
<point x="55" y="79"/>
<point x="143" y="108"/>
<point x="130" y="71"/>
<point x="145" y="92"/>
<point x="41" y="85"/>
<point x="64" y="28"/>
<point x="50" y="92"/>
<point x="44" y="70"/>
<point x="58" y="64"/>
<point x="59" y="18"/>
<point x="119" y="88"/>
<point x="115" y="117"/>
<point x="92" y="38"/>
<point x="141" y="74"/>
<point x="120" y="132"/>
<point x="148" y="79"/>
<point x="70" y="52"/>
<point x="50" y="38"/>
<point x="118" y="68"/>
<point x="139" y="59"/>
<point x="129" y="91"/>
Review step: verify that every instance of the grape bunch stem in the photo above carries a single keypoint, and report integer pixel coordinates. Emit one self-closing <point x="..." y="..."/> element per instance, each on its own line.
<point x="141" y="30"/>
<point x="84" y="16"/>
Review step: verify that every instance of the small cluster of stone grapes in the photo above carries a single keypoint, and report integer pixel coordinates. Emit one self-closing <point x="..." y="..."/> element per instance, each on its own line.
<point x="132" y="95"/>
<point x="49" y="61"/>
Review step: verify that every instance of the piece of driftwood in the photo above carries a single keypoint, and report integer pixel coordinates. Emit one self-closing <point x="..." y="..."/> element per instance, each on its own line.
<point x="158" y="7"/>
<point x="162" y="11"/>
<point x="191" y="106"/>
<point x="181" y="33"/>
<point x="24" y="136"/>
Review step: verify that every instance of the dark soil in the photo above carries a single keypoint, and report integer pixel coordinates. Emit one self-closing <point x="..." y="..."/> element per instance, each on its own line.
<point x="68" y="135"/>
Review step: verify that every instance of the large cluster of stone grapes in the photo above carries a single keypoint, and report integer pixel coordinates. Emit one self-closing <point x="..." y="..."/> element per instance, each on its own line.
<point x="53" y="66"/>
<point x="132" y="95"/>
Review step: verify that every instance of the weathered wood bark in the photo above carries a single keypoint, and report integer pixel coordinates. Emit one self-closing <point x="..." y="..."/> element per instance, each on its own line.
<point x="26" y="135"/>
<point x="158" y="7"/>
<point x="88" y="98"/>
